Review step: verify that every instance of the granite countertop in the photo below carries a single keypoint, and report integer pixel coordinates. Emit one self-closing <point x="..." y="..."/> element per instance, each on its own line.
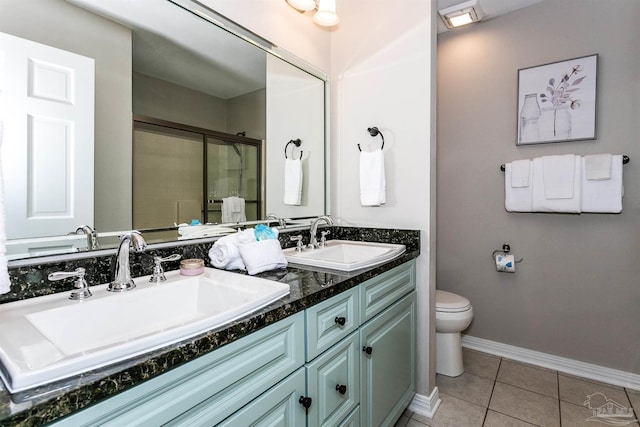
<point x="45" y="404"/>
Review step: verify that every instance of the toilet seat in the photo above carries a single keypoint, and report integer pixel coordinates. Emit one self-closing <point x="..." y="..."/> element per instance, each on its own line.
<point x="448" y="302"/>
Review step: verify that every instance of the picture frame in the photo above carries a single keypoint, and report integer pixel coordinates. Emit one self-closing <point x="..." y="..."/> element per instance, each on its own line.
<point x="557" y="101"/>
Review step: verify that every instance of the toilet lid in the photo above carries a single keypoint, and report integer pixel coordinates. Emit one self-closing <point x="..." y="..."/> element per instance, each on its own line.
<point x="450" y="302"/>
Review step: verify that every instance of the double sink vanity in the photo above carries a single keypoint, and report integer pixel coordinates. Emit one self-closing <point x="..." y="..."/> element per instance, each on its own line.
<point x="327" y="341"/>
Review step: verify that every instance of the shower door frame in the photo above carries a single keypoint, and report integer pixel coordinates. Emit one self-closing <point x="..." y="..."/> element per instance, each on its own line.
<point x="222" y="136"/>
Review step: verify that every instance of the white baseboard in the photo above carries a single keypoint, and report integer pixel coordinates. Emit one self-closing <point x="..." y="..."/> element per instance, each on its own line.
<point x="426" y="405"/>
<point x="561" y="364"/>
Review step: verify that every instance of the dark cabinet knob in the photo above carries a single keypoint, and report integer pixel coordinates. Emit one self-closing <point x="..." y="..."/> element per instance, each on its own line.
<point x="342" y="389"/>
<point x="305" y="401"/>
<point x="367" y="350"/>
<point x="341" y="320"/>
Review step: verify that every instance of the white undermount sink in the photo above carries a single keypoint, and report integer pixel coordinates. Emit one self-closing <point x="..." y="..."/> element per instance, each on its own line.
<point x="345" y="255"/>
<point x="51" y="337"/>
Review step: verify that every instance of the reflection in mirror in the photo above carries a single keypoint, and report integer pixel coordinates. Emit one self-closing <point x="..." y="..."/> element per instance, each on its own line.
<point x="158" y="60"/>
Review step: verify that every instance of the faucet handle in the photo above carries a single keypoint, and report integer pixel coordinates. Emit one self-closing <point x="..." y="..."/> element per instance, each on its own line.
<point x="82" y="287"/>
<point x="323" y="237"/>
<point x="158" y="271"/>
<point x="299" y="244"/>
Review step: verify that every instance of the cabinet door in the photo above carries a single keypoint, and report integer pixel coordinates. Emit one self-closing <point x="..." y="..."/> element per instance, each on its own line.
<point x="387" y="369"/>
<point x="277" y="407"/>
<point x="333" y="382"/>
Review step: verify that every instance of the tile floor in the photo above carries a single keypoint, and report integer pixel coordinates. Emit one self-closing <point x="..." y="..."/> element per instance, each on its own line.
<point x="495" y="392"/>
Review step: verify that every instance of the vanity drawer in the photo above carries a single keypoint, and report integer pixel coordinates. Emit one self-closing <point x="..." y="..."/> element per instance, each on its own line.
<point x="278" y="406"/>
<point x="380" y="292"/>
<point x="333" y="383"/>
<point x="330" y="321"/>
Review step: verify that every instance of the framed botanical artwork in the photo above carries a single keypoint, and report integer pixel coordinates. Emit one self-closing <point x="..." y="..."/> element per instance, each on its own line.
<point x="557" y="101"/>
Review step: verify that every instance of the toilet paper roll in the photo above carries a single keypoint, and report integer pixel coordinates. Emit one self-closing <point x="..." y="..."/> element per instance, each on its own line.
<point x="505" y="263"/>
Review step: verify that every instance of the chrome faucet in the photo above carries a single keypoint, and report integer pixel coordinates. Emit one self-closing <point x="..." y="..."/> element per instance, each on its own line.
<point x="92" y="236"/>
<point x="281" y="221"/>
<point x="122" y="280"/>
<point x="313" y="240"/>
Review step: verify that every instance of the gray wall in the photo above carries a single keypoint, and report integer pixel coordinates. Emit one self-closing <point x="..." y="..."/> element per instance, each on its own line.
<point x="57" y="23"/>
<point x="577" y="292"/>
<point x="164" y="100"/>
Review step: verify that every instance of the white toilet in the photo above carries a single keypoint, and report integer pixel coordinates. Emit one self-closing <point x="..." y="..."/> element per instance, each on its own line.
<point x="453" y="315"/>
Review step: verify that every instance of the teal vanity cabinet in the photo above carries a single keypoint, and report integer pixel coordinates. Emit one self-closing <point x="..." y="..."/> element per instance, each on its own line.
<point x="208" y="389"/>
<point x="347" y="361"/>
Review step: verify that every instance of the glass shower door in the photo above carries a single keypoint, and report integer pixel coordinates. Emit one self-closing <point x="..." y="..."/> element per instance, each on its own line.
<point x="233" y="170"/>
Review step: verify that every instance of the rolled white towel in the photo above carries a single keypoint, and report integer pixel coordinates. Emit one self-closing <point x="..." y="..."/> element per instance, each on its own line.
<point x="225" y="254"/>
<point x="264" y="255"/>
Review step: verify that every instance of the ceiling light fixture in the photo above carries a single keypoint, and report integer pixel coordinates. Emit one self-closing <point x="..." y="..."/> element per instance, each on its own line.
<point x="326" y="10"/>
<point x="461" y="14"/>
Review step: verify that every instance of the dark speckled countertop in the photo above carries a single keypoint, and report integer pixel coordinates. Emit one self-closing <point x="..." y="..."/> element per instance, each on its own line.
<point x="45" y="404"/>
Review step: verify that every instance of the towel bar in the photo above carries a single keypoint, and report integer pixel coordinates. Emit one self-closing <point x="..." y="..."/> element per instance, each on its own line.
<point x="625" y="160"/>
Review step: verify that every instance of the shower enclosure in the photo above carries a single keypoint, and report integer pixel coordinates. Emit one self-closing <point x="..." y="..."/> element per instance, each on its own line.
<point x="182" y="173"/>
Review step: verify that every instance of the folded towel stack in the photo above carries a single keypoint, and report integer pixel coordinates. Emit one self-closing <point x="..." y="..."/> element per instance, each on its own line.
<point x="254" y="250"/>
<point x="372" y="178"/>
<point x="198" y="231"/>
<point x="567" y="183"/>
<point x="556" y="184"/>
<point x="602" y="188"/>
<point x="264" y="255"/>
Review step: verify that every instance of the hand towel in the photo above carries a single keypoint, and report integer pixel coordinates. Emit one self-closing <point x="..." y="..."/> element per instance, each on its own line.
<point x="225" y="254"/>
<point x="558" y="176"/>
<point x="520" y="173"/>
<point x="516" y="199"/>
<point x="604" y="195"/>
<point x="597" y="166"/>
<point x="372" y="178"/>
<point x="293" y="181"/>
<point x="541" y="203"/>
<point x="264" y="255"/>
<point x="5" y="283"/>
<point x="233" y="209"/>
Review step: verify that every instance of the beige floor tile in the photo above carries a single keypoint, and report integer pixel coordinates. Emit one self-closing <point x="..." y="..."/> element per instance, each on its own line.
<point x="496" y="419"/>
<point x="415" y="423"/>
<point x="480" y="364"/>
<point x="540" y="380"/>
<point x="576" y="390"/>
<point x="471" y="388"/>
<point x="453" y="412"/>
<point x="577" y="416"/>
<point x="525" y="405"/>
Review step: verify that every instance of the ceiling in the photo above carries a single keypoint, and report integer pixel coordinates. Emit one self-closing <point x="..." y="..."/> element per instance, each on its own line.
<point x="491" y="8"/>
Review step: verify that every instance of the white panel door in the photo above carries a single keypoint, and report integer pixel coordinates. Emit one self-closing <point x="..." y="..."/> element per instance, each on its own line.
<point x="47" y="106"/>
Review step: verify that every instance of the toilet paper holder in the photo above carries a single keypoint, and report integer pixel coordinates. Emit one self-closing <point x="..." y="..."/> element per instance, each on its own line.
<point x="506" y="248"/>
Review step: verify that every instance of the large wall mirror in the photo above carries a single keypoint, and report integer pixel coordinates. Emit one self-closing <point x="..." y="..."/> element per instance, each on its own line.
<point x="180" y="117"/>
